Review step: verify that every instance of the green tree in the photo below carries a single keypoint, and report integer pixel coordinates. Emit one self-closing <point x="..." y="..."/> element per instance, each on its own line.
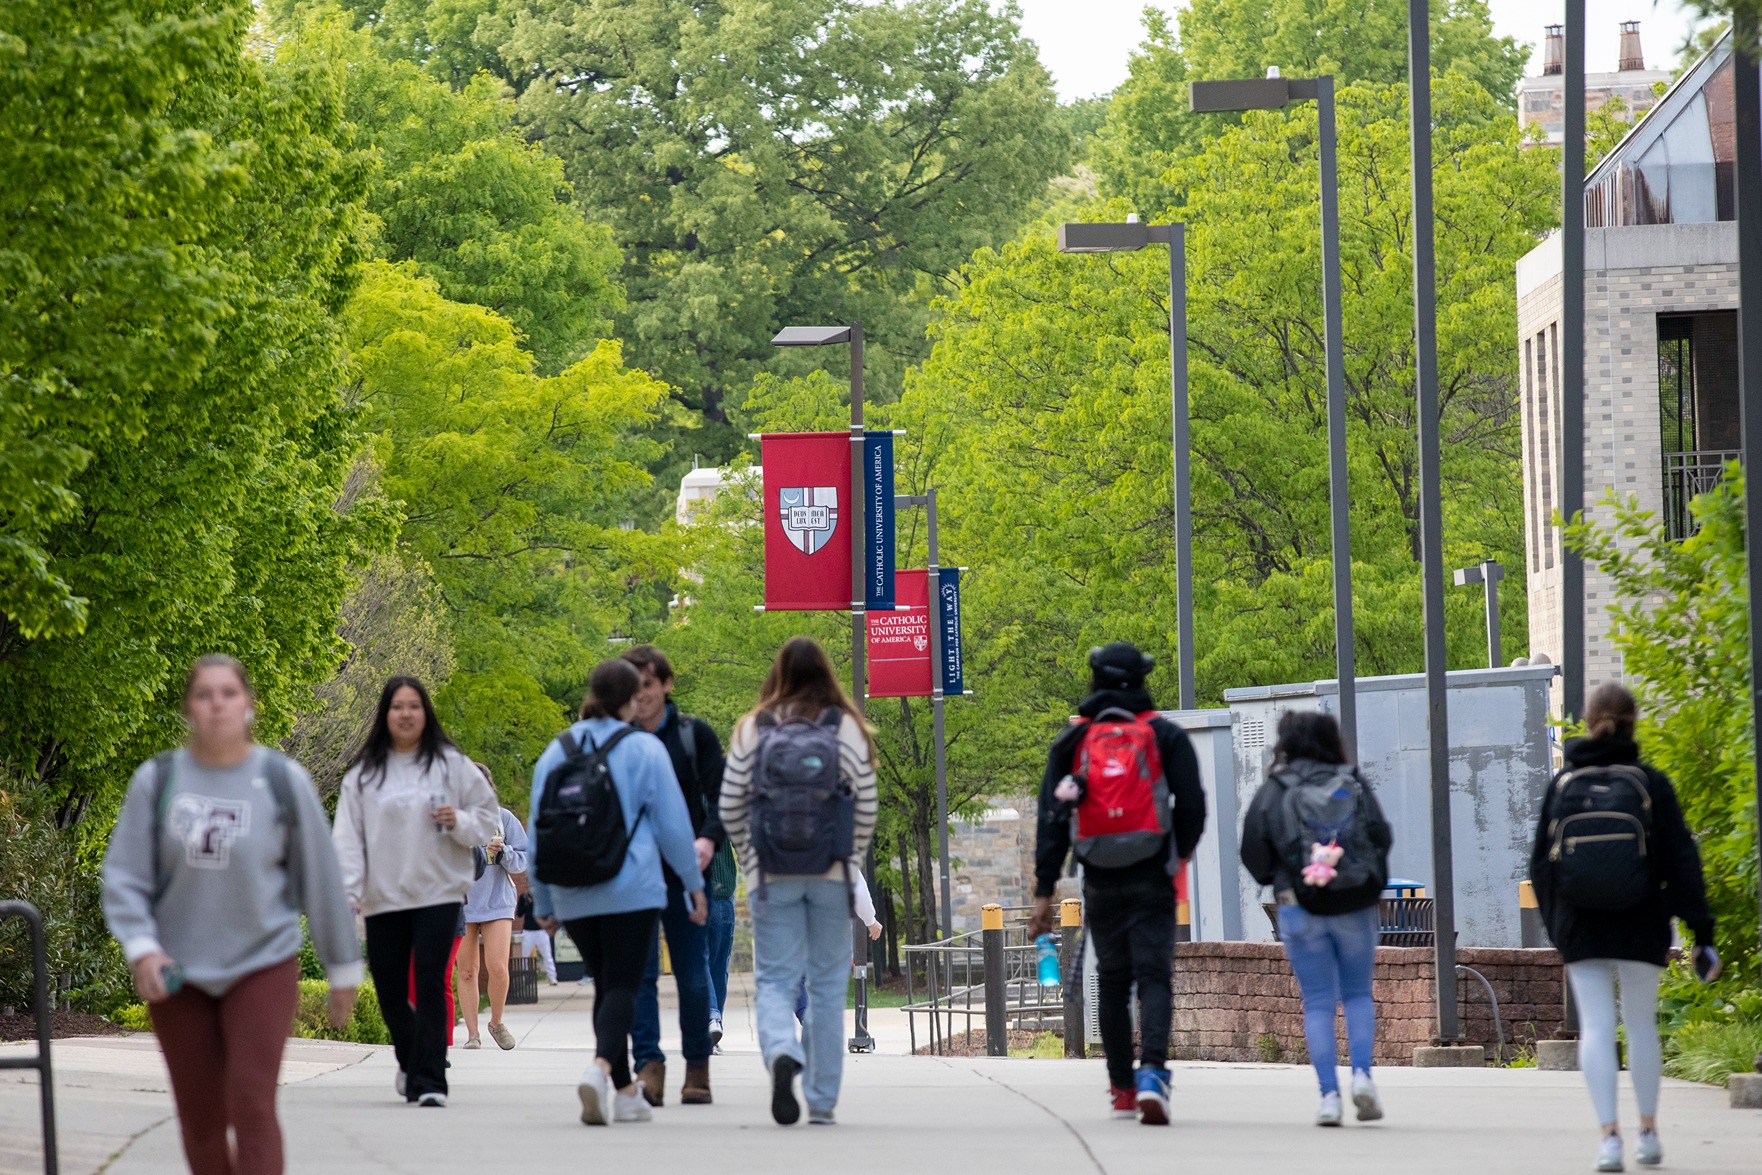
<point x="181" y="225"/>
<point x="1681" y="621"/>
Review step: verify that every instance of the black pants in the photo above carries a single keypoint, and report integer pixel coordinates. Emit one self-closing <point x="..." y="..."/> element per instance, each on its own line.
<point x="616" y="949"/>
<point x="1133" y="929"/>
<point x="419" y="1037"/>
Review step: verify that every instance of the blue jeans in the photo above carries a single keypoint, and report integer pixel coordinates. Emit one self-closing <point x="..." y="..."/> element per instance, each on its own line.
<point x="1333" y="957"/>
<point x="721" y="932"/>
<point x="688" y="944"/>
<point x="801" y="930"/>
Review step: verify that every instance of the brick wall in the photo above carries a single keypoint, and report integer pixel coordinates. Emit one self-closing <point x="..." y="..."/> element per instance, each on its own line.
<point x="1237" y="1001"/>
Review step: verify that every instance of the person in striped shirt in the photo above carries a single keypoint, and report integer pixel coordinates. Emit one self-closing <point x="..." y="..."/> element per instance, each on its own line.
<point x="801" y="921"/>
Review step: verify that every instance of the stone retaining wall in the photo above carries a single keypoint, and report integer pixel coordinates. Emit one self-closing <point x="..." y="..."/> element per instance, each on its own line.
<point x="1237" y="1001"/>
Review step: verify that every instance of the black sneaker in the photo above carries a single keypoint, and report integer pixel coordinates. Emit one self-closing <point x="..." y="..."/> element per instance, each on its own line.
<point x="784" y="1108"/>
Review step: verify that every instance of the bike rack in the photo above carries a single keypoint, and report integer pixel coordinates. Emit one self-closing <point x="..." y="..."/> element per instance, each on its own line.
<point x="39" y="1062"/>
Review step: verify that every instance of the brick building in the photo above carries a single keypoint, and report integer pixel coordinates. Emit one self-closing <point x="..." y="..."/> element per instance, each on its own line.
<point x="1661" y="408"/>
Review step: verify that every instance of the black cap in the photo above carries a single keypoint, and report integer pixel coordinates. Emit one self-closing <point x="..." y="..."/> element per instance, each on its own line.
<point x="1119" y="666"/>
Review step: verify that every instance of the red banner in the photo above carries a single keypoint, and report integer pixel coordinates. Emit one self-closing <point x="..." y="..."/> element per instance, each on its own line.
<point x="899" y="641"/>
<point x="809" y="519"/>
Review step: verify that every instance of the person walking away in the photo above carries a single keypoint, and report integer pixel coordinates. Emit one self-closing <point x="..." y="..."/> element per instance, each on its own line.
<point x="862" y="906"/>
<point x="489" y="923"/>
<point x="220" y="846"/>
<point x="1316" y="834"/>
<point x="1613" y="863"/>
<point x="724" y="878"/>
<point x="799" y="803"/>
<point x="409" y="811"/>
<point x="606" y="813"/>
<point x="696" y="755"/>
<point x="535" y="939"/>
<point x="1123" y="785"/>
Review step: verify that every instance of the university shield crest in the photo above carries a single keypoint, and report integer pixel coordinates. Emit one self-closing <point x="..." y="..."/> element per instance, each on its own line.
<point x="809" y="515"/>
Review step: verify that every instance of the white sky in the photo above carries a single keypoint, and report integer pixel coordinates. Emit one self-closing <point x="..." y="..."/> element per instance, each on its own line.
<point x="1085" y="43"/>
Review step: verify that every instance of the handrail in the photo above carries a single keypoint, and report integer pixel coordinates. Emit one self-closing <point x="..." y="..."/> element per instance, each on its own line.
<point x="1498" y="1029"/>
<point x="954" y="968"/>
<point x="39" y="1062"/>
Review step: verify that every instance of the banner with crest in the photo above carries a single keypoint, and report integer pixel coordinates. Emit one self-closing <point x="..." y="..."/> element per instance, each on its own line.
<point x="808" y="521"/>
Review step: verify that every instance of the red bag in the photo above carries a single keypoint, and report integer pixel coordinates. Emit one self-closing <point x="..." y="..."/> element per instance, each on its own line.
<point x="1122" y="818"/>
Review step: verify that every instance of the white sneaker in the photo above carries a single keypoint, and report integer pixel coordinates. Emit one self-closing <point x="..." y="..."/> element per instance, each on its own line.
<point x="1329" y="1112"/>
<point x="631" y="1107"/>
<point x="1364" y="1096"/>
<point x="595" y="1091"/>
<point x="1649" y="1150"/>
<point x="715" y="1030"/>
<point x="1609" y="1154"/>
<point x="433" y="1101"/>
<point x="398" y="1083"/>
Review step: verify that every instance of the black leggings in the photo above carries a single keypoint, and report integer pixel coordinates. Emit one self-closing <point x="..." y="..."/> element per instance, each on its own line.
<point x="615" y="948"/>
<point x="419" y="1037"/>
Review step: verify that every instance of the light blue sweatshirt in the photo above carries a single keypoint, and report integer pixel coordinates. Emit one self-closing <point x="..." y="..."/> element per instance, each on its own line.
<point x="643" y="774"/>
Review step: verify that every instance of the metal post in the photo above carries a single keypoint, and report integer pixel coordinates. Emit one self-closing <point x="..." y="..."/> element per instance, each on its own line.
<point x="1183" y="447"/>
<point x="1070" y="922"/>
<point x="40" y="1060"/>
<point x="858" y="514"/>
<point x="1572" y="360"/>
<point x="1491" y="574"/>
<point x="1431" y="522"/>
<point x="1345" y="661"/>
<point x="934" y="616"/>
<point x="1748" y="101"/>
<point x="996" y="988"/>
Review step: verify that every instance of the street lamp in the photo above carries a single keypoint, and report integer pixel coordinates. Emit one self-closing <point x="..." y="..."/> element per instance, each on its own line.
<point x="1128" y="238"/>
<point x="1489" y="573"/>
<point x="1275" y="93"/>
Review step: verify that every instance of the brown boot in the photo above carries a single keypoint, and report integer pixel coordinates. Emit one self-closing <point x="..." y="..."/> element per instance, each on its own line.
<point x="653" y="1079"/>
<point x="697" y="1084"/>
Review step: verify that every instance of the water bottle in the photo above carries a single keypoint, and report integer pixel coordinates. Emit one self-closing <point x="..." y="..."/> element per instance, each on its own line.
<point x="1046" y="957"/>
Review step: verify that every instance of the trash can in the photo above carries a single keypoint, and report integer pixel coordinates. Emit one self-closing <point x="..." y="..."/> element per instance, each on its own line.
<point x="522" y="974"/>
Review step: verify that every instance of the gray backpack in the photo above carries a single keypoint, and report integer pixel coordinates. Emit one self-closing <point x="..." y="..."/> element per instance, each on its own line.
<point x="803" y="814"/>
<point x="287" y="813"/>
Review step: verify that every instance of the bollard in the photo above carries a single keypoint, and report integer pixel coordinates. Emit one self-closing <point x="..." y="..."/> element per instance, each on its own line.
<point x="1183" y="922"/>
<point x="1070" y="922"/>
<point x="996" y="995"/>
<point x="1529" y="917"/>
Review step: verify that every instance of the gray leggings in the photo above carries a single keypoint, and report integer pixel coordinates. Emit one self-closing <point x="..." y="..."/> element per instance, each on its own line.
<point x="1593" y="986"/>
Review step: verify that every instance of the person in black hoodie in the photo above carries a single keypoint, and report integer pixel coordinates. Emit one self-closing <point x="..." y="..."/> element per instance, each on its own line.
<point x="1129" y="910"/>
<point x="1632" y="945"/>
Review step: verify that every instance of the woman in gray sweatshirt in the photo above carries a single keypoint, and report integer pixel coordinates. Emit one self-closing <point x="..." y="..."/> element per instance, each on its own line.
<point x="407" y="817"/>
<point x="220" y="845"/>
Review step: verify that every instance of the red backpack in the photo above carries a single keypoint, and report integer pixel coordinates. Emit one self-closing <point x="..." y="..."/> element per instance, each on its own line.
<point x="1122" y="818"/>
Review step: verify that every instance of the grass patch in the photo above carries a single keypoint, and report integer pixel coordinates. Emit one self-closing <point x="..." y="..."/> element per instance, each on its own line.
<point x="1048" y="1046"/>
<point x="1711" y="1051"/>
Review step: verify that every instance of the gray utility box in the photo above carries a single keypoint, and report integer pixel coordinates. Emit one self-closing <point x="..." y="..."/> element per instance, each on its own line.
<point x="1501" y="758"/>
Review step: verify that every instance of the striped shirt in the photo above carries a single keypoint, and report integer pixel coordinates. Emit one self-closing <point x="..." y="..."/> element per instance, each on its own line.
<point x="855" y="767"/>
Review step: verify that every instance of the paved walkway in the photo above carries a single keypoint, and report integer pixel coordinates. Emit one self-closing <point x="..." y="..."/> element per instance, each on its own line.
<point x="516" y="1113"/>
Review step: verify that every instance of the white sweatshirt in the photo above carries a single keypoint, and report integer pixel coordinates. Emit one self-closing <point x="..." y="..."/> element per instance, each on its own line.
<point x="392" y="855"/>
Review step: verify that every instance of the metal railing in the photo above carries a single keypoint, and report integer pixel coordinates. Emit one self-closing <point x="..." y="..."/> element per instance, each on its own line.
<point x="1685" y="476"/>
<point x="954" y="981"/>
<point x="40" y="1061"/>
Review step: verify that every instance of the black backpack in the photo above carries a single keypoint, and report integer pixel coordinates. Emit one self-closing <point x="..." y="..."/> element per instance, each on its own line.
<point x="1330" y="809"/>
<point x="803" y="814"/>
<point x="1598" y="840"/>
<point x="579" y="832"/>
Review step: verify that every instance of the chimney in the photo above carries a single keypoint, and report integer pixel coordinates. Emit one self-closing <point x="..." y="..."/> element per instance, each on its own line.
<point x="1631" y="55"/>
<point x="1554" y="51"/>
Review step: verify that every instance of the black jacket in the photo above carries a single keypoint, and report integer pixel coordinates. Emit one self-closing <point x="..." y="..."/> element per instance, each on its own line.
<point x="1260" y="853"/>
<point x="1642" y="933"/>
<point x="1180" y="766"/>
<point x="703" y="786"/>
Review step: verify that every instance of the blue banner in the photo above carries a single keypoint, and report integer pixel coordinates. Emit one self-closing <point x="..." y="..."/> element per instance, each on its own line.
<point x="878" y="557"/>
<point x="949" y="616"/>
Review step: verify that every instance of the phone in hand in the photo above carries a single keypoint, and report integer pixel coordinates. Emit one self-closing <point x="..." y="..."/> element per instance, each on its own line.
<point x="1706" y="963"/>
<point x="172" y="976"/>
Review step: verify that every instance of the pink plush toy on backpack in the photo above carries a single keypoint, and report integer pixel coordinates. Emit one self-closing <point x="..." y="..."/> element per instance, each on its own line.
<point x="1322" y="859"/>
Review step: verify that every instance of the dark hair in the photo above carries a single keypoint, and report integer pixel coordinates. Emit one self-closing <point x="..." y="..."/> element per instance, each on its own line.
<point x="610" y="687"/>
<point x="378" y="744"/>
<point x="217" y="661"/>
<point x="647" y="657"/>
<point x="488" y="776"/>
<point x="801" y="684"/>
<point x="1611" y="710"/>
<point x="1309" y="736"/>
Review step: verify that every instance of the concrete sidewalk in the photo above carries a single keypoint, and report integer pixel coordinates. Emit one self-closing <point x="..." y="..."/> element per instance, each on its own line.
<point x="517" y="1110"/>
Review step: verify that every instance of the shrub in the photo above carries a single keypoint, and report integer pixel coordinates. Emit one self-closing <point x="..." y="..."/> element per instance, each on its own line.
<point x="365" y="1026"/>
<point x="1711" y="1051"/>
<point x="132" y="1016"/>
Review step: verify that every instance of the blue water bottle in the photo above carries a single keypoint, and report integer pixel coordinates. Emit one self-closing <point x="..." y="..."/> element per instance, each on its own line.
<point x="1046" y="955"/>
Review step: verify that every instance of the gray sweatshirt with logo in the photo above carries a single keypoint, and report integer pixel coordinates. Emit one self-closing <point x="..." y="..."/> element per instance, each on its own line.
<point x="221" y="907"/>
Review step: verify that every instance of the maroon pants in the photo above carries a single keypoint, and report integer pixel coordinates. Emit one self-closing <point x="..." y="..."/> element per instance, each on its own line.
<point x="224" y="1056"/>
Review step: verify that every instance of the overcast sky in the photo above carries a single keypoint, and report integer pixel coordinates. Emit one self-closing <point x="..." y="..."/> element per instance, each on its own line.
<point x="1085" y="43"/>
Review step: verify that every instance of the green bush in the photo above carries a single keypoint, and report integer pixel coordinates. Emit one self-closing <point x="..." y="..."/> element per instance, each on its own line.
<point x="132" y="1016"/>
<point x="1711" y="1051"/>
<point x="311" y="1019"/>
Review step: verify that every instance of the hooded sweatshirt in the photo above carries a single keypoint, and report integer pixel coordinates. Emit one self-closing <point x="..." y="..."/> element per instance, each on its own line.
<point x="392" y="854"/>
<point x="222" y="908"/>
<point x="494" y="896"/>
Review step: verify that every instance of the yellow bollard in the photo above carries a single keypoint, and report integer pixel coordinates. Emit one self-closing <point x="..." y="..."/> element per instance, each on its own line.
<point x="1526" y="896"/>
<point x="991" y="917"/>
<point x="1070" y="912"/>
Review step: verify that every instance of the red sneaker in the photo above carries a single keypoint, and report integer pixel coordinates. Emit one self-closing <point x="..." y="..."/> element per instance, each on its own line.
<point x="1125" y="1102"/>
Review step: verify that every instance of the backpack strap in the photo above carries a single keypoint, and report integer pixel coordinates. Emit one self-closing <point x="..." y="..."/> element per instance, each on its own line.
<point x="281" y="787"/>
<point x="161" y="798"/>
<point x="764" y="719"/>
<point x="833" y="717"/>
<point x="566" y="740"/>
<point x="1121" y="712"/>
<point x="688" y="742"/>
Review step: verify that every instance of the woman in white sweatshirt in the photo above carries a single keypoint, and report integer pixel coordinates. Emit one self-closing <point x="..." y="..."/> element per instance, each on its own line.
<point x="410" y="810"/>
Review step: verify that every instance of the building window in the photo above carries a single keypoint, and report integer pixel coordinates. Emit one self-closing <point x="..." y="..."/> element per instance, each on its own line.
<point x="1698" y="414"/>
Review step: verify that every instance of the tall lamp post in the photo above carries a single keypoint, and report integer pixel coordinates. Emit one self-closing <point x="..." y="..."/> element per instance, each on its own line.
<point x="1490" y="573"/>
<point x="1128" y="238"/>
<point x="1275" y="93"/>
